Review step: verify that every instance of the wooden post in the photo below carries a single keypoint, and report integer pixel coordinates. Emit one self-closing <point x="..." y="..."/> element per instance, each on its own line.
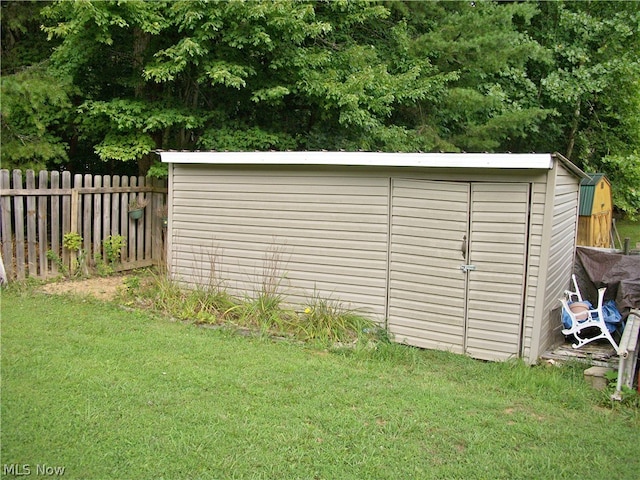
<point x="87" y="221"/>
<point x="43" y="240"/>
<point x="7" y="235"/>
<point x="97" y="220"/>
<point x="32" y="254"/>
<point x="55" y="219"/>
<point x="18" y="206"/>
<point x="133" y="181"/>
<point x="67" y="216"/>
<point x="75" y="212"/>
<point x="124" y="217"/>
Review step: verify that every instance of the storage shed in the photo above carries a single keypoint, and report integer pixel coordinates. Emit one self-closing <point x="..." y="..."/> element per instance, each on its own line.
<point x="461" y="252"/>
<point x="596" y="210"/>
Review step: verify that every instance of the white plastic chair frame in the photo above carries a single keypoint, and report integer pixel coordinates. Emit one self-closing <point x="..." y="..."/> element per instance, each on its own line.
<point x="595" y="318"/>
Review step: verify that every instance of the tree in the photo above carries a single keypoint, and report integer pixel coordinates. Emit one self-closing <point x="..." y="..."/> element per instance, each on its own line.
<point x="493" y="104"/>
<point x="132" y="77"/>
<point x="36" y="104"/>
<point x="592" y="86"/>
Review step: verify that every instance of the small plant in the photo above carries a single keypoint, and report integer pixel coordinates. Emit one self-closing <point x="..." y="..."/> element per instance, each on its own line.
<point x="137" y="203"/>
<point x="73" y="241"/>
<point x="55" y="258"/>
<point x="328" y="320"/>
<point x="113" y="246"/>
<point x="626" y="396"/>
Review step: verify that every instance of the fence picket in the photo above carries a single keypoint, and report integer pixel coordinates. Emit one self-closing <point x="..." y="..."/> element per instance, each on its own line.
<point x="66" y="217"/>
<point x="106" y="210"/>
<point x="133" y="231"/>
<point x="7" y="236"/>
<point x="43" y="242"/>
<point x="97" y="223"/>
<point x="32" y="257"/>
<point x="18" y="204"/>
<point x="124" y="219"/>
<point x="55" y="219"/>
<point x="86" y="219"/>
<point x="34" y="218"/>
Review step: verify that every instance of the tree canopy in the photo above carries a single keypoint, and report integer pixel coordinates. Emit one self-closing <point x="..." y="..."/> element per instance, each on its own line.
<point x="102" y="84"/>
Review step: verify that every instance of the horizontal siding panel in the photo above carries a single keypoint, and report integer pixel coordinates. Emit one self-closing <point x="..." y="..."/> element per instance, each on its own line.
<point x="291" y="188"/>
<point x="234" y="177"/>
<point x="498" y="319"/>
<point x="435" y="341"/>
<point x="412" y="274"/>
<point x="476" y="293"/>
<point x="433" y="295"/>
<point x="281" y="223"/>
<point x="342" y="198"/>
<point x="278" y="206"/>
<point x="270" y="232"/>
<point x="331" y="251"/>
<point x="493" y="333"/>
<point x="429" y="213"/>
<point x="225" y="233"/>
<point x="444" y="329"/>
<point x="287" y="215"/>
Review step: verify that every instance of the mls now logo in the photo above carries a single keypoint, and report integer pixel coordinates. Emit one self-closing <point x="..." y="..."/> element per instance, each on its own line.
<point x="25" y="469"/>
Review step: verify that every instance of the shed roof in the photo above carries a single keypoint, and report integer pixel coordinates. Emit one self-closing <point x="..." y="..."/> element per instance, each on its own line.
<point x="542" y="161"/>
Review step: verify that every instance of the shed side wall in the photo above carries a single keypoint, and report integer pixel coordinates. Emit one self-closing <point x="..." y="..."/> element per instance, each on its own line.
<point x="311" y="232"/>
<point x="561" y="254"/>
<point x="536" y="227"/>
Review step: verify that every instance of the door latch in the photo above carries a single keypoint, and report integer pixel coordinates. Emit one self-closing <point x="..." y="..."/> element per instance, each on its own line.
<point x="467" y="268"/>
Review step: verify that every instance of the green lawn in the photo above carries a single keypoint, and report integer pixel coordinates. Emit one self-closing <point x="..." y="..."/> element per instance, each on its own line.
<point x="112" y="393"/>
<point x="628" y="229"/>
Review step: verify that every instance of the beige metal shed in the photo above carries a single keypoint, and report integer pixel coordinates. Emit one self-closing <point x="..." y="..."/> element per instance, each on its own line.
<point x="460" y="252"/>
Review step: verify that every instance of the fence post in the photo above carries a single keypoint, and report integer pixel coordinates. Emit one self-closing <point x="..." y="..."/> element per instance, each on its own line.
<point x="75" y="207"/>
<point x="32" y="256"/>
<point x="66" y="217"/>
<point x="18" y="206"/>
<point x="7" y="235"/>
<point x="43" y="242"/>
<point x="55" y="219"/>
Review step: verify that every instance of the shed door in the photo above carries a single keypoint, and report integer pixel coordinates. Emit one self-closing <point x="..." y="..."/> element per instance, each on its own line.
<point x="437" y="227"/>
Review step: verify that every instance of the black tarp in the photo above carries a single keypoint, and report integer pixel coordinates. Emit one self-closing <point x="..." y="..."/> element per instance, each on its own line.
<point x="596" y="268"/>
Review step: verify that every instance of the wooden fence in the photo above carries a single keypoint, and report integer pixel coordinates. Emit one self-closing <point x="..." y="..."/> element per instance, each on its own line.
<point x="36" y="211"/>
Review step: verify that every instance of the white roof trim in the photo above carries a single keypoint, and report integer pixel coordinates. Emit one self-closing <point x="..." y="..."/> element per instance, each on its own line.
<point x="369" y="159"/>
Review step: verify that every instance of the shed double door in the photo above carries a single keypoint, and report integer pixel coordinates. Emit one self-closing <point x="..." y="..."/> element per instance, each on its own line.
<point x="457" y="266"/>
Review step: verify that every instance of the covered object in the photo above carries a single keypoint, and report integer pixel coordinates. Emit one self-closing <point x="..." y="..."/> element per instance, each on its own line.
<point x="461" y="252"/>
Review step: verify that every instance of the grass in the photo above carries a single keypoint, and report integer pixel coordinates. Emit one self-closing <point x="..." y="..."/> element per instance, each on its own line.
<point x="628" y="229"/>
<point x="107" y="392"/>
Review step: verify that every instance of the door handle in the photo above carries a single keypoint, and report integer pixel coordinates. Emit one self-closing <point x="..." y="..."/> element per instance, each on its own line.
<point x="463" y="247"/>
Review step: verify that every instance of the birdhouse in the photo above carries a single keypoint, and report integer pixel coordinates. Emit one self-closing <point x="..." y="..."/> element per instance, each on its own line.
<point x="595" y="213"/>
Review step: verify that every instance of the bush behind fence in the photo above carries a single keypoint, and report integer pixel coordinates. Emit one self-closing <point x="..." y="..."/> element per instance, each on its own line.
<point x="36" y="211"/>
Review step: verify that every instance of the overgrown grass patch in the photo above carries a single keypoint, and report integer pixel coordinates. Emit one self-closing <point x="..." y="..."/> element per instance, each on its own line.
<point x="114" y="393"/>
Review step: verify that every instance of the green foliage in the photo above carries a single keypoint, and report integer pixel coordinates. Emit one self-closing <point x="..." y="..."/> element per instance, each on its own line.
<point x="113" y="246"/>
<point x="624" y="173"/>
<point x="55" y="258"/>
<point x="35" y="107"/>
<point x="72" y="241"/>
<point x="132" y="77"/>
<point x="330" y="321"/>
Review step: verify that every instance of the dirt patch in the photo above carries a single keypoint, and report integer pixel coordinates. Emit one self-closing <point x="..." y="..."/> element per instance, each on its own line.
<point x="101" y="288"/>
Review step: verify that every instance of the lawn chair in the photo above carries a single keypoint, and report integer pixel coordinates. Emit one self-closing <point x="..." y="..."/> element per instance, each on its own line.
<point x="582" y="316"/>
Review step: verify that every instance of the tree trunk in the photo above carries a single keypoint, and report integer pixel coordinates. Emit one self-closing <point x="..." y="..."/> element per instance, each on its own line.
<point x="574" y="131"/>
